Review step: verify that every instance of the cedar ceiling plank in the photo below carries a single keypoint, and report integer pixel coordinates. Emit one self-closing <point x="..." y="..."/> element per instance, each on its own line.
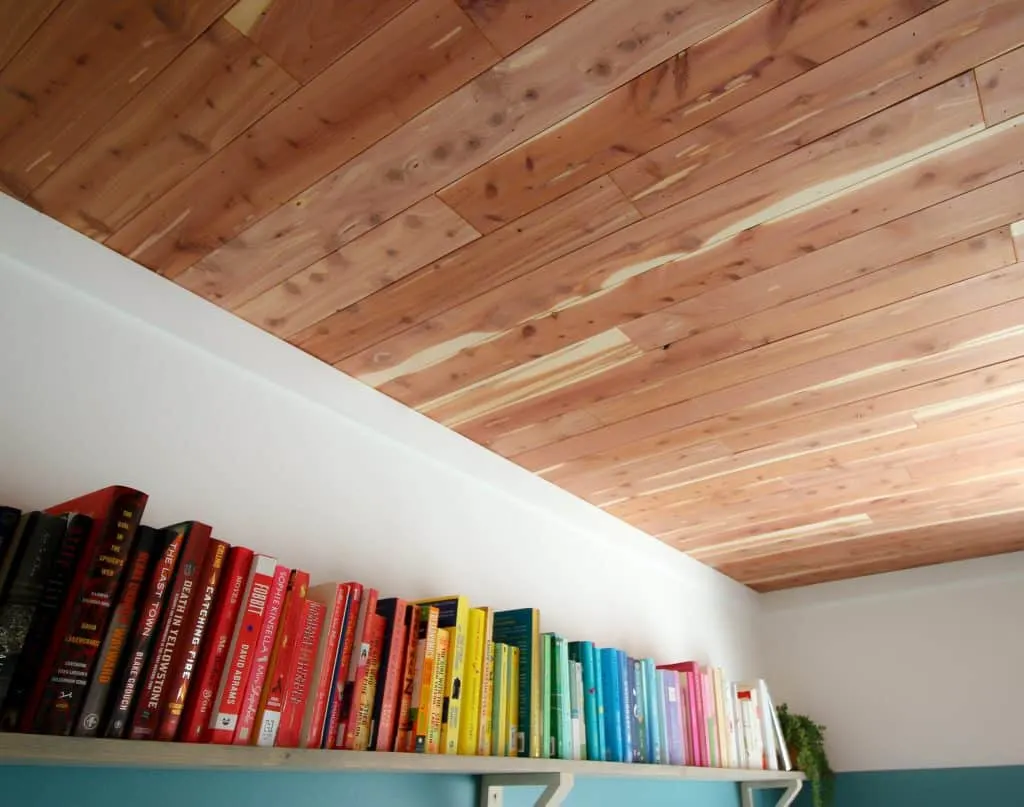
<point x="422" y="234"/>
<point x="986" y="337"/>
<point x="948" y="40"/>
<point x="56" y="95"/>
<point x="207" y="96"/>
<point x="577" y="219"/>
<point x="845" y="159"/>
<point x="517" y="98"/>
<point x="771" y="45"/>
<point x="1017" y="231"/>
<point x="306" y="36"/>
<point x="932" y="288"/>
<point x="1001" y="84"/>
<point x="21" y="19"/>
<point x="510" y="24"/>
<point x="355" y="102"/>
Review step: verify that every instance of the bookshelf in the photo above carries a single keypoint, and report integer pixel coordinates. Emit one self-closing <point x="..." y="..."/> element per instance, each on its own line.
<point x="495" y="773"/>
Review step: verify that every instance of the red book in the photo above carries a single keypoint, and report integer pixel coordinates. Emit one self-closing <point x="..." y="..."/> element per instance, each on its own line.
<point x="300" y="674"/>
<point x="396" y="613"/>
<point x="406" y="735"/>
<point x="356" y="671"/>
<point x="366" y="692"/>
<point x="156" y="691"/>
<point x="234" y="680"/>
<point x="70" y="657"/>
<point x="186" y="656"/>
<point x="697" y="730"/>
<point x="195" y="724"/>
<point x="268" y="715"/>
<point x="334" y="597"/>
<point x="261" y="661"/>
<point x="348" y="638"/>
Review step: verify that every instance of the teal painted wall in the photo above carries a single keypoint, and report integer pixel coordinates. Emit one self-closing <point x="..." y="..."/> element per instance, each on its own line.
<point x="944" y="787"/>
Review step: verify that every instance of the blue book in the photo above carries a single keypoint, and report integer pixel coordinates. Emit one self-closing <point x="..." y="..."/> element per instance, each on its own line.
<point x="638" y="704"/>
<point x="626" y="679"/>
<point x="655" y="721"/>
<point x="583" y="652"/>
<point x="611" y="690"/>
<point x="672" y="720"/>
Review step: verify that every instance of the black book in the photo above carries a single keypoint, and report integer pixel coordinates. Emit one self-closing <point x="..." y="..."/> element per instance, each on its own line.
<point x="9" y="519"/>
<point x="30" y="564"/>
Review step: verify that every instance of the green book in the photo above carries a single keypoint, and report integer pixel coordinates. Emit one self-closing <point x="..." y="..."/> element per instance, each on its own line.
<point x="499" y="712"/>
<point x="547" y="749"/>
<point x="563" y="699"/>
<point x="520" y="628"/>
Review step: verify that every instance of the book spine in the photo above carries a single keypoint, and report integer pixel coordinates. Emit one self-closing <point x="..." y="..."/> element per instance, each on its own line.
<point x="185" y="664"/>
<point x="390" y="679"/>
<point x="147" y="626"/>
<point x="652" y="694"/>
<point x="626" y="714"/>
<point x="565" y="727"/>
<point x="486" y="700"/>
<point x="94" y="706"/>
<point x="548" y="749"/>
<point x="10" y="517"/>
<point x="426" y="658"/>
<point x="470" y="724"/>
<point x="405" y="737"/>
<point x="345" y="652"/>
<point x="661" y="707"/>
<point x="31" y="562"/>
<point x="590" y="677"/>
<point x="335" y="600"/>
<point x="636" y="708"/>
<point x="445" y="650"/>
<point x="300" y="674"/>
<point x="367" y="691"/>
<point x="499" y="707"/>
<point x="199" y="704"/>
<point x="602" y="740"/>
<point x="235" y="678"/>
<point x="261" y="661"/>
<point x="513" y="701"/>
<point x="612" y="691"/>
<point x="670" y="697"/>
<point x="453" y="614"/>
<point x="272" y="698"/>
<point x="574" y="712"/>
<point x="357" y="672"/>
<point x="155" y="692"/>
<point x="70" y="660"/>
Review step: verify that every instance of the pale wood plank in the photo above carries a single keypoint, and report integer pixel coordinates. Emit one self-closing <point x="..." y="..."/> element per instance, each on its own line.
<point x="565" y="225"/>
<point x="951" y="38"/>
<point x="522" y="95"/>
<point x="1017" y="231"/>
<point x="305" y="36"/>
<point x="21" y="20"/>
<point x="424" y="233"/>
<point x="510" y="24"/>
<point x="358" y="100"/>
<point x="1001" y="84"/>
<point x="771" y="45"/>
<point x="207" y="96"/>
<point x="54" y="96"/>
<point x="577" y="297"/>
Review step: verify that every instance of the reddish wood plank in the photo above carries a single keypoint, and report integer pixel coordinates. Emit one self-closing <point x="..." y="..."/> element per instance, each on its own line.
<point x="510" y="24"/>
<point x="358" y="100"/>
<point x="211" y="93"/>
<point x="1001" y="84"/>
<point x="21" y="19"/>
<point x="55" y="95"/>
<point x="305" y="36"/>
<point x="771" y="45"/>
<point x="565" y="225"/>
<point x="386" y="254"/>
<point x="524" y="94"/>
<point x="953" y="37"/>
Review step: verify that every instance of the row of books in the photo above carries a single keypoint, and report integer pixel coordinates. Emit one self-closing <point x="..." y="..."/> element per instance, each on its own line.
<point x="112" y="628"/>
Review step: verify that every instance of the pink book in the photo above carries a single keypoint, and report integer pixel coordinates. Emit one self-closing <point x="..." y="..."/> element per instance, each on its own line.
<point x="697" y="733"/>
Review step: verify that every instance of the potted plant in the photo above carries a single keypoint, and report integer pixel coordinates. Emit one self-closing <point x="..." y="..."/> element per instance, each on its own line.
<point x="805" y="741"/>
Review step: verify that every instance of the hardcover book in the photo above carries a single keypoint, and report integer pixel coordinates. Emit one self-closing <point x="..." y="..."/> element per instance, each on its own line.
<point x="521" y="627"/>
<point x="341" y="667"/>
<point x="453" y="613"/>
<point x="366" y="691"/>
<point x="300" y="674"/>
<point x="384" y="725"/>
<point x="334" y="597"/>
<point x="426" y="657"/>
<point x="405" y="734"/>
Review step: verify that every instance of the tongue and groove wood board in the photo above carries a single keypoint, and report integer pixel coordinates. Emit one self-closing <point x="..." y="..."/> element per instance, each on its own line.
<point x="747" y="275"/>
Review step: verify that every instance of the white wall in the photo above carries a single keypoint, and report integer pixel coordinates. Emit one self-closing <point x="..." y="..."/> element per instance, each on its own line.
<point x="109" y="373"/>
<point x="915" y="669"/>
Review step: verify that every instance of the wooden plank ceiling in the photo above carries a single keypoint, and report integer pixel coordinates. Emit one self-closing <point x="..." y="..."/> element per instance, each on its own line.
<point x="746" y="274"/>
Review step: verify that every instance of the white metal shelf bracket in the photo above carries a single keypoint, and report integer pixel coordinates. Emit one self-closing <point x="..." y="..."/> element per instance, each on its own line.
<point x="793" y="787"/>
<point x="556" y="787"/>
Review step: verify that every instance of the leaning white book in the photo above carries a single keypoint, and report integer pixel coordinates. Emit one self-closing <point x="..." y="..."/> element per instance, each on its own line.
<point x="780" y="741"/>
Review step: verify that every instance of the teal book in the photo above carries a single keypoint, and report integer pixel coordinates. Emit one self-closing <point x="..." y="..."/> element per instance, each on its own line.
<point x="564" y="704"/>
<point x="652" y="693"/>
<point x="603" y="754"/>
<point x="640" y="712"/>
<point x="583" y="652"/>
<point x="548" y="748"/>
<point x="521" y="628"/>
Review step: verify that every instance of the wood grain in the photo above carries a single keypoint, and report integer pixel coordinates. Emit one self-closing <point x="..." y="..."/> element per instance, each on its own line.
<point x="764" y="49"/>
<point x="359" y="99"/>
<point x="510" y="24"/>
<point x="54" y="96"/>
<point x="21" y="20"/>
<point x="218" y="87"/>
<point x="939" y="44"/>
<point x="1001" y="85"/>
<point x="425" y="232"/>
<point x="305" y="36"/>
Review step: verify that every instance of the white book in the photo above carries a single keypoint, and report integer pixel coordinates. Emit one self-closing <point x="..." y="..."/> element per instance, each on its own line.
<point x="767" y="727"/>
<point x="787" y="763"/>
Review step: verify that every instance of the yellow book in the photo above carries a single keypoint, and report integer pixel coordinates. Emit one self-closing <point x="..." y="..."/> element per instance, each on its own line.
<point x="453" y="612"/>
<point x="423" y="683"/>
<point x="469" y="726"/>
<point x="486" y="686"/>
<point x="444" y="643"/>
<point x="513" y="701"/>
<point x="499" y="707"/>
